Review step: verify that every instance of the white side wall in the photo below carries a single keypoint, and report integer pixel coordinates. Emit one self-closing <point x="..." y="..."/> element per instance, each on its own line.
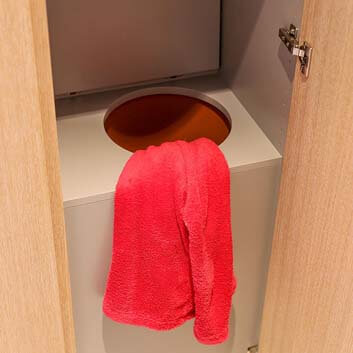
<point x="255" y="63"/>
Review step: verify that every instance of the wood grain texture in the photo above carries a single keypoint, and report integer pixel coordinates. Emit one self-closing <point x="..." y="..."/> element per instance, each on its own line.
<point x="46" y="97"/>
<point x="309" y="297"/>
<point x="31" y="319"/>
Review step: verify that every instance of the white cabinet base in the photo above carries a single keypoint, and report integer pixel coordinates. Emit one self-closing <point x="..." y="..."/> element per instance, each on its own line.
<point x="89" y="230"/>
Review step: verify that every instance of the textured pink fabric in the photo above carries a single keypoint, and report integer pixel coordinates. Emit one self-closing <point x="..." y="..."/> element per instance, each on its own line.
<point x="172" y="245"/>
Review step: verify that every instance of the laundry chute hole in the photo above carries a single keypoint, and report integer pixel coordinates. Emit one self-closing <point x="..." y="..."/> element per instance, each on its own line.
<point x="156" y="115"/>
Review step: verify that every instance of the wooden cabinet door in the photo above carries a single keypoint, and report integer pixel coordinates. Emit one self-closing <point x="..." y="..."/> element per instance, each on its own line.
<point x="35" y="305"/>
<point x="309" y="297"/>
<point x="309" y="300"/>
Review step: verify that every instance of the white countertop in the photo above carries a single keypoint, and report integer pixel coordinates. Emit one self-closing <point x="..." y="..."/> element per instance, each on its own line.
<point x="91" y="163"/>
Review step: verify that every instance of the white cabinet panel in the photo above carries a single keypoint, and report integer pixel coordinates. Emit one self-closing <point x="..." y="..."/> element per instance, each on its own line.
<point x="89" y="230"/>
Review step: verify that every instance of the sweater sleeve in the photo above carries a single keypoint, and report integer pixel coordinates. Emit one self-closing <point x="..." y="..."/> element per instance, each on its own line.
<point x="206" y="216"/>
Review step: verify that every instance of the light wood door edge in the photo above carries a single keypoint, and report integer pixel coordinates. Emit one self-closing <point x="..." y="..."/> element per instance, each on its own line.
<point x="46" y="96"/>
<point x="309" y="298"/>
<point x="36" y="310"/>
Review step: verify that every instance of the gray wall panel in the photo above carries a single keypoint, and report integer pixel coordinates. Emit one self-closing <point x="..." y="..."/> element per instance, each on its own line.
<point x="256" y="65"/>
<point x="100" y="44"/>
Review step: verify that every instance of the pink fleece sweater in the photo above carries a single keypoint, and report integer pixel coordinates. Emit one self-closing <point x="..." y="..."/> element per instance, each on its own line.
<point x="172" y="245"/>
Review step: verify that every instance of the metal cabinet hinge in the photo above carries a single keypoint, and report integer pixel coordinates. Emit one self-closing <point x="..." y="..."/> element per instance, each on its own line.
<point x="253" y="349"/>
<point x="303" y="51"/>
